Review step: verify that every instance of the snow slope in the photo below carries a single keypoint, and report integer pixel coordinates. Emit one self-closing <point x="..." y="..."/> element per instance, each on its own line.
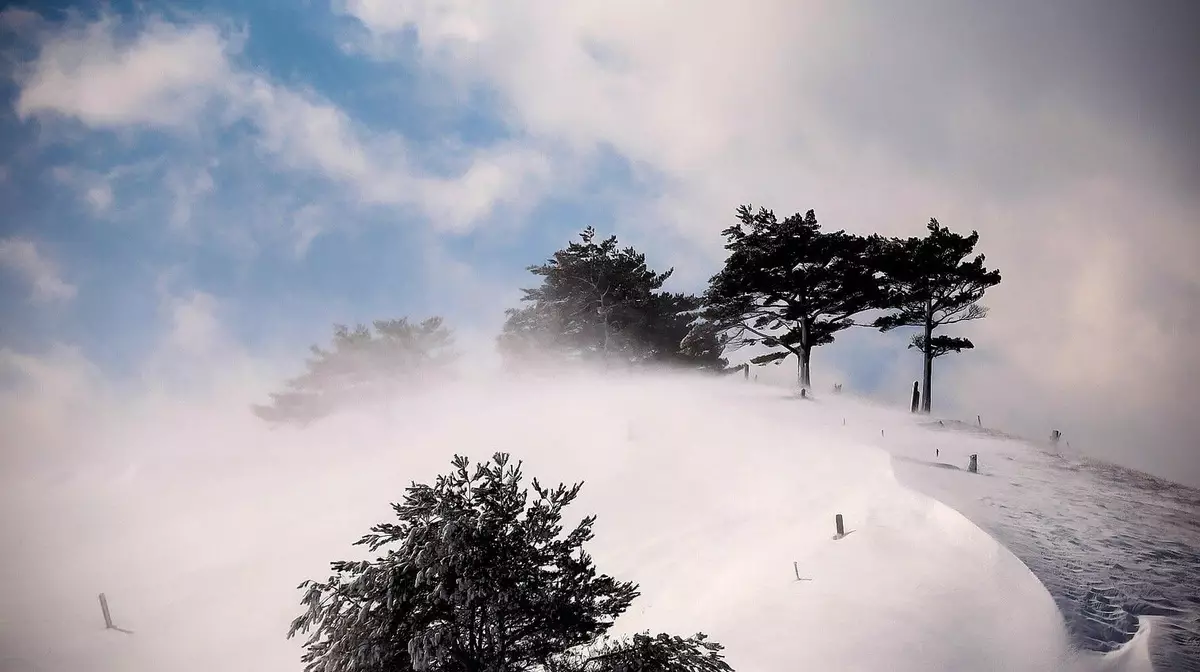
<point x="198" y="523"/>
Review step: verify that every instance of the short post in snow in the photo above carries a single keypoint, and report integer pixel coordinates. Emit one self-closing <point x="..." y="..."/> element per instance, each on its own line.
<point x="838" y="524"/>
<point x="746" y="372"/>
<point x="916" y="395"/>
<point x="973" y="465"/>
<point x="108" y="624"/>
<point x="979" y="421"/>
<point x="1055" y="436"/>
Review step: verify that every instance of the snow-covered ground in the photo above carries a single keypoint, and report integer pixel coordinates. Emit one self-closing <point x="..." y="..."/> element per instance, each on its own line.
<point x="199" y="524"/>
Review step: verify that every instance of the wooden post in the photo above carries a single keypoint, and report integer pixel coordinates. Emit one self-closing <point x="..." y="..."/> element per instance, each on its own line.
<point x="979" y="421"/>
<point x="746" y="372"/>
<point x="916" y="395"/>
<point x="837" y="522"/>
<point x="796" y="566"/>
<point x="973" y="466"/>
<point x="107" y="616"/>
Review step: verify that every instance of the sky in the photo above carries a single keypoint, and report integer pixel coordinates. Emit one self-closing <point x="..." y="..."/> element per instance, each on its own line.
<point x="193" y="194"/>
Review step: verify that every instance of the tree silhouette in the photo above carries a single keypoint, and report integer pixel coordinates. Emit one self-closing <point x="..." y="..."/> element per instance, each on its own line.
<point x="478" y="577"/>
<point x="929" y="285"/>
<point x="789" y="286"/>
<point x="362" y="365"/>
<point x="599" y="302"/>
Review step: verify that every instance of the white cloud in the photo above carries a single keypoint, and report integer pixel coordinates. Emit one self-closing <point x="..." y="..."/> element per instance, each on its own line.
<point x="96" y="188"/>
<point x="187" y="188"/>
<point x="165" y="77"/>
<point x="99" y="197"/>
<point x="182" y="77"/>
<point x="193" y="324"/>
<point x="879" y="120"/>
<point x="22" y="258"/>
<point x="308" y="222"/>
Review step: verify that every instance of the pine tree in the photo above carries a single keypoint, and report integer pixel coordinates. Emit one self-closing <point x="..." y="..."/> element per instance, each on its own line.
<point x="929" y="285"/>
<point x="364" y="366"/>
<point x="788" y="286"/>
<point x="599" y="302"/>
<point x="478" y="577"/>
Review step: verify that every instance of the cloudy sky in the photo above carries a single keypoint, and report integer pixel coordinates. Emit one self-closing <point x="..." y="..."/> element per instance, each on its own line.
<point x="187" y="184"/>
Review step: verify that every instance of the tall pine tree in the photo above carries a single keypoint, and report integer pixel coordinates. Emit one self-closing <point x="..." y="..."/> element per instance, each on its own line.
<point x="599" y="302"/>
<point x="931" y="283"/>
<point x="789" y="286"/>
<point x="479" y="577"/>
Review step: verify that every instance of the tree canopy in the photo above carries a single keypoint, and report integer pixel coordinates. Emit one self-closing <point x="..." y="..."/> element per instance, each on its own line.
<point x="478" y="577"/>
<point x="789" y="286"/>
<point x="930" y="283"/>
<point x="364" y="365"/>
<point x="600" y="302"/>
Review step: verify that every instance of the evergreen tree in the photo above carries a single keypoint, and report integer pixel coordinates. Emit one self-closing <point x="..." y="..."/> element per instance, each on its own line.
<point x="478" y="577"/>
<point x="364" y="366"/>
<point x="930" y="284"/>
<point x="789" y="286"/>
<point x="598" y="302"/>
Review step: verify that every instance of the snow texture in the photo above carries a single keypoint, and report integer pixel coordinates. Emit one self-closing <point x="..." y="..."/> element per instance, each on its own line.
<point x="198" y="524"/>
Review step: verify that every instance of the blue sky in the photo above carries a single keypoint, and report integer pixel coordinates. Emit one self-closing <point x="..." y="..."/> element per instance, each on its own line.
<point x="374" y="265"/>
<point x="240" y="176"/>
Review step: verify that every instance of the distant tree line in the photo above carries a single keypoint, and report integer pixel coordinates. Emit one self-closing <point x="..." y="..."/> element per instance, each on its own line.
<point x="786" y="287"/>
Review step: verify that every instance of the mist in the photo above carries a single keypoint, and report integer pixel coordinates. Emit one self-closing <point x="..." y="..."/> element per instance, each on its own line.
<point x="198" y="520"/>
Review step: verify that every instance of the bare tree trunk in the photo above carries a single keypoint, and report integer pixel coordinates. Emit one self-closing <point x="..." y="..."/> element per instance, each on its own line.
<point x="927" y="378"/>
<point x="805" y="368"/>
<point x="805" y="356"/>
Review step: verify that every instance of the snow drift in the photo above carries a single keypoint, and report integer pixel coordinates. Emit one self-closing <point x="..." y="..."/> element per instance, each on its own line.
<point x="198" y="522"/>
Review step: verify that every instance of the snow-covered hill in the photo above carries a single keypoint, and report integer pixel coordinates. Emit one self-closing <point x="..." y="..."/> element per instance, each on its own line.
<point x="199" y="524"/>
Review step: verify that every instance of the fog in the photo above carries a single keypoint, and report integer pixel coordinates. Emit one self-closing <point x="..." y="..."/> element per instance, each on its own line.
<point x="197" y="520"/>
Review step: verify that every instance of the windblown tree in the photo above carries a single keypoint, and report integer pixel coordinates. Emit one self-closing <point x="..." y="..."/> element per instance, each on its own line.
<point x="478" y="577"/>
<point x="930" y="283"/>
<point x="789" y="286"/>
<point x="364" y="365"/>
<point x="598" y="302"/>
<point x="673" y="332"/>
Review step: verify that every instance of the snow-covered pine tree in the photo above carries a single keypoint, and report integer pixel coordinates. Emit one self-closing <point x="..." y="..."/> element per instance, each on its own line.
<point x="479" y="577"/>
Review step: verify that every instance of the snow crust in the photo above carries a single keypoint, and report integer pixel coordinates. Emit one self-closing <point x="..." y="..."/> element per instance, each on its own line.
<point x="199" y="522"/>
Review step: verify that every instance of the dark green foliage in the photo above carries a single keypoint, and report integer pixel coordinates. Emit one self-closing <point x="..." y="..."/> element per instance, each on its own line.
<point x="645" y="653"/>
<point x="598" y="302"/>
<point x="931" y="283"/>
<point x="478" y="577"/>
<point x="363" y="366"/>
<point x="789" y="286"/>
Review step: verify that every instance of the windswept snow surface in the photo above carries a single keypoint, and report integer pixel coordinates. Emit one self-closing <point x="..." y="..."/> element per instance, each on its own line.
<point x="1119" y="550"/>
<point x="199" y="522"/>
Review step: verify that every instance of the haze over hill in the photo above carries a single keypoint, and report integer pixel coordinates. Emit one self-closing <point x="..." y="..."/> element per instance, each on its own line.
<point x="182" y="185"/>
<point x="198" y="521"/>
